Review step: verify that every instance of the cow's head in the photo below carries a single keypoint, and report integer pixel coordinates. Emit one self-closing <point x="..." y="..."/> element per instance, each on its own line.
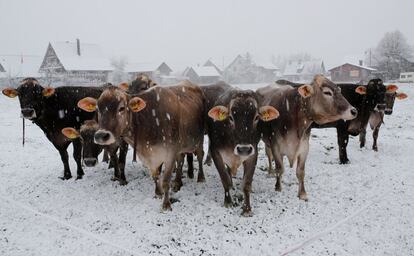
<point x="241" y="116"/>
<point x="31" y="96"/>
<point x="374" y="93"/>
<point x="113" y="107"/>
<point x="390" y="96"/>
<point x="141" y="83"/>
<point x="325" y="102"/>
<point x="90" y="150"/>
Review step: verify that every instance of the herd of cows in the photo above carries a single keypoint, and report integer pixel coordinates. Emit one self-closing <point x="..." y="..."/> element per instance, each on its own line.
<point x="165" y="124"/>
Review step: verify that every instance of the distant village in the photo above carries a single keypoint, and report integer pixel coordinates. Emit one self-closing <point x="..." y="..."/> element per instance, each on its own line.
<point x="77" y="63"/>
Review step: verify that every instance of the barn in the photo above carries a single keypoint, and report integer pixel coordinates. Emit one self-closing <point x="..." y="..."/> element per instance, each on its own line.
<point x="15" y="67"/>
<point x="303" y="71"/>
<point x="156" y="71"/>
<point x="75" y="62"/>
<point x="351" y="73"/>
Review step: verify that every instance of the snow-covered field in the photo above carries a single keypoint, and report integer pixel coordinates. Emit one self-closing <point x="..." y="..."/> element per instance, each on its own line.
<point x="364" y="208"/>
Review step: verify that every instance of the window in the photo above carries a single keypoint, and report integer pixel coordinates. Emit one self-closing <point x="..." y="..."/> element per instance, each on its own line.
<point x="402" y="76"/>
<point x="409" y="76"/>
<point x="354" y="73"/>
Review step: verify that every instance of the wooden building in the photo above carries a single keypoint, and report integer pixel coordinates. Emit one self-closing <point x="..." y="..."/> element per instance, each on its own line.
<point x="351" y="73"/>
<point x="75" y="62"/>
<point x="202" y="75"/>
<point x="303" y="71"/>
<point x="154" y="70"/>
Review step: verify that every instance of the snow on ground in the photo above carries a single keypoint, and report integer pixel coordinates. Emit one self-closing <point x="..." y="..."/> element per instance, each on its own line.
<point x="364" y="208"/>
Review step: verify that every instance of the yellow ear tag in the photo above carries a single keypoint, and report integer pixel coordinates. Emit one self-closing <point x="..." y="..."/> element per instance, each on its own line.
<point x="221" y="116"/>
<point x="265" y="116"/>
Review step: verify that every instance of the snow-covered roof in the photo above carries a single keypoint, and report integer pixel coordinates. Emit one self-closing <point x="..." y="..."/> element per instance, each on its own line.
<point x="91" y="56"/>
<point x="20" y="65"/>
<point x="206" y="71"/>
<point x="304" y="68"/>
<point x="268" y="65"/>
<point x="142" y="67"/>
<point x="358" y="66"/>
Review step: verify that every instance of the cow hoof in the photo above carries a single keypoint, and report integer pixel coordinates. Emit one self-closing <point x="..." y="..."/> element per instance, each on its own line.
<point x="123" y="182"/>
<point x="166" y="207"/>
<point x="157" y="196"/>
<point x="271" y="174"/>
<point x="278" y="187"/>
<point x="113" y="178"/>
<point x="303" y="197"/>
<point x="208" y="163"/>
<point x="346" y="161"/>
<point x="375" y="149"/>
<point x="66" y="177"/>
<point x="247" y="213"/>
<point x="79" y="177"/>
<point x="176" y="186"/>
<point x="201" y="179"/>
<point x="190" y="175"/>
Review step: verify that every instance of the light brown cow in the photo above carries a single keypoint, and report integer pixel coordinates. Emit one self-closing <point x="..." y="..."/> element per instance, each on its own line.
<point x="161" y="124"/>
<point x="320" y="102"/>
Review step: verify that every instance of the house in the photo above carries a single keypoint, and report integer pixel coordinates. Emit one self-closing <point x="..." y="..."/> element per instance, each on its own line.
<point x="268" y="72"/>
<point x="154" y="70"/>
<point x="303" y="71"/>
<point x="75" y="62"/>
<point x="407" y="77"/>
<point x="351" y="73"/>
<point x="209" y="63"/>
<point x="202" y="75"/>
<point x="15" y="67"/>
<point x="241" y="70"/>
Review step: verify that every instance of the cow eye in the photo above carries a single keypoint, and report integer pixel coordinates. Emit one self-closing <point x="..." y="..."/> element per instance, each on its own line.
<point x="256" y="118"/>
<point x="121" y="109"/>
<point x="231" y="119"/>
<point x="329" y="93"/>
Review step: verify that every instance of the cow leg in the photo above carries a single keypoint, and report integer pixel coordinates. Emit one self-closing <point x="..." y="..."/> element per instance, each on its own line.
<point x="249" y="168"/>
<point x="190" y="164"/>
<point x="200" y="156"/>
<point x="65" y="159"/>
<point x="166" y="177"/>
<point x="270" y="159"/>
<point x="224" y="176"/>
<point x="105" y="157"/>
<point x="155" y="176"/>
<point x="300" y="172"/>
<point x="178" y="183"/>
<point x="362" y="137"/>
<point x="375" y="137"/>
<point x="208" y="158"/>
<point x="77" y="155"/>
<point x="343" y="137"/>
<point x="123" y="151"/>
<point x="280" y="168"/>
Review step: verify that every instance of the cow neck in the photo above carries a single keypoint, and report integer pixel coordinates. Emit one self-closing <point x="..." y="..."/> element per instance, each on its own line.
<point x="305" y="105"/>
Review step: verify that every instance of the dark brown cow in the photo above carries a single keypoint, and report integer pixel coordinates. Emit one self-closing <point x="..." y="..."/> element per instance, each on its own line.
<point x="320" y="102"/>
<point x="233" y="135"/>
<point x="376" y="118"/>
<point x="161" y="124"/>
<point x="53" y="109"/>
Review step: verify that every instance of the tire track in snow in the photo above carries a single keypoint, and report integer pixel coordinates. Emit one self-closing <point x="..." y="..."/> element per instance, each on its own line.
<point x="65" y="224"/>
<point x="311" y="239"/>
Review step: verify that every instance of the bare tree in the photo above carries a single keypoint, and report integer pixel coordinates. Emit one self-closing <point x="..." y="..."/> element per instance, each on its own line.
<point x="392" y="53"/>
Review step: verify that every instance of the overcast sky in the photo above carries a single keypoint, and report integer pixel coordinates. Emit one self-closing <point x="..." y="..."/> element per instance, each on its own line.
<point x="183" y="32"/>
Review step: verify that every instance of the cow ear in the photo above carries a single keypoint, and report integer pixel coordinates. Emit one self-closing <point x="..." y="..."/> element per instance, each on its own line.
<point x="48" y="91"/>
<point x="392" y="88"/>
<point x="87" y="104"/>
<point x="70" y="133"/>
<point x="361" y="90"/>
<point x="401" y="96"/>
<point x="137" y="104"/>
<point x="218" y="113"/>
<point x="10" y="92"/>
<point x="123" y="86"/>
<point x="305" y="90"/>
<point x="268" y="113"/>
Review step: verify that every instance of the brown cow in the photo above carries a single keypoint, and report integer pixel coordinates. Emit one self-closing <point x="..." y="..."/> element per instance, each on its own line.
<point x="320" y="102"/>
<point x="158" y="130"/>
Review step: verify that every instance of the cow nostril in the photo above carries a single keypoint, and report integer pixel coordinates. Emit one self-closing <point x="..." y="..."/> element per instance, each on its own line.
<point x="354" y="112"/>
<point x="244" y="150"/>
<point x="90" y="161"/>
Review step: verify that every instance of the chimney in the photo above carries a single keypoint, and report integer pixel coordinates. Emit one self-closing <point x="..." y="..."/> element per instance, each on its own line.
<point x="361" y="62"/>
<point x="78" y="46"/>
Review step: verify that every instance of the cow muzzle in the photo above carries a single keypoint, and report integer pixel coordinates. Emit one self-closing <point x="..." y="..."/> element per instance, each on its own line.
<point x="28" y="113"/>
<point x="104" y="137"/>
<point x="90" y="161"/>
<point x="388" y="111"/>
<point x="350" y="114"/>
<point x="380" y="107"/>
<point x="244" y="150"/>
